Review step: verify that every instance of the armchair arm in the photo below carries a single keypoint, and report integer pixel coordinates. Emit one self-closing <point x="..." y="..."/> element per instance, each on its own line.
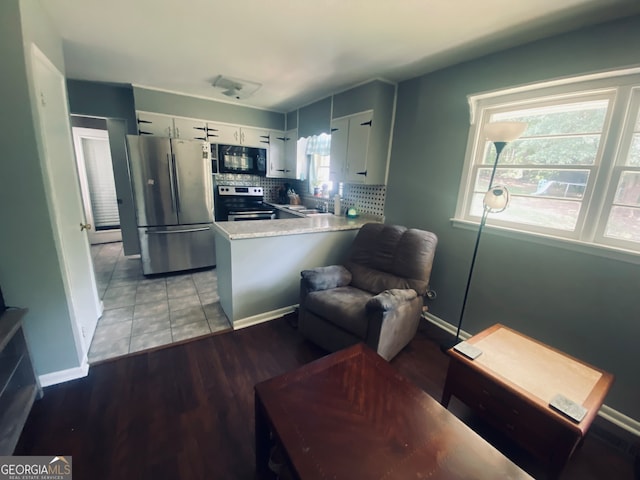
<point x="324" y="278"/>
<point x="391" y="299"/>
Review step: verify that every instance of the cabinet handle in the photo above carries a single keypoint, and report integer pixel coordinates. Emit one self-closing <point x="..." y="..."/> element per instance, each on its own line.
<point x="282" y="138"/>
<point x="200" y="128"/>
<point x="145" y="133"/>
<point x="281" y="170"/>
<point x="334" y="130"/>
<point x="144" y="121"/>
<point x="177" y="132"/>
<point x="212" y="135"/>
<point x="200" y="138"/>
<point x="366" y="123"/>
<point x="362" y="173"/>
<point x="212" y="129"/>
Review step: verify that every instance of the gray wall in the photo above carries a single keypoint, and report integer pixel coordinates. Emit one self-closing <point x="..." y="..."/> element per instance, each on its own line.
<point x="106" y="100"/>
<point x="30" y="273"/>
<point x="583" y="304"/>
<point x="193" y="107"/>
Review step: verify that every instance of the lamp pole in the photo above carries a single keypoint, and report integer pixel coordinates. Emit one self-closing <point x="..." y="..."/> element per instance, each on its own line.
<point x="485" y="211"/>
<point x="500" y="133"/>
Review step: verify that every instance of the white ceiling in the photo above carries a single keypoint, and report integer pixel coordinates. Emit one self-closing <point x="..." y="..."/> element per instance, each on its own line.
<point x="299" y="50"/>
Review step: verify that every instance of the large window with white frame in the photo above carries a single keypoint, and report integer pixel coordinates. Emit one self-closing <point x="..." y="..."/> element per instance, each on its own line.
<point x="575" y="172"/>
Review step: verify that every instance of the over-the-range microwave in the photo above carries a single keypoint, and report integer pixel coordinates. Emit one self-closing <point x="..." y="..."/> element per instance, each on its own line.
<point x="238" y="159"/>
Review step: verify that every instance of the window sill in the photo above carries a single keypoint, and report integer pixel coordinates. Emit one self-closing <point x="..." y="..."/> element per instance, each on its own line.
<point x="609" y="252"/>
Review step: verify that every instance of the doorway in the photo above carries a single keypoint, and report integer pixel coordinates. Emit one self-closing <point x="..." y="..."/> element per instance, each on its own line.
<point x="95" y="171"/>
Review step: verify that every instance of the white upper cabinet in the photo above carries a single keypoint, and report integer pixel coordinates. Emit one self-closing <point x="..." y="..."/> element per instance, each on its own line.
<point x="254" y="137"/>
<point x="358" y="148"/>
<point x="351" y="151"/>
<point x="155" y="124"/>
<point x="235" y="135"/>
<point x="189" y="129"/>
<point x="339" y="139"/>
<point x="277" y="167"/>
<point x="283" y="155"/>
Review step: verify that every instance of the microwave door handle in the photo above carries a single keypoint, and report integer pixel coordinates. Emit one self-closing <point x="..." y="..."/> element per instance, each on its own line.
<point x="171" y="183"/>
<point x="177" y="182"/>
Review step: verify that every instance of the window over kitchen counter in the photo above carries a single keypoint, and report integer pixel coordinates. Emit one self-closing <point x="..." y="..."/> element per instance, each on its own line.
<point x="317" y="149"/>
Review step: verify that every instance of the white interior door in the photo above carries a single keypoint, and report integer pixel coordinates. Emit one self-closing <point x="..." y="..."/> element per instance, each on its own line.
<point x="65" y="201"/>
<point x="95" y="171"/>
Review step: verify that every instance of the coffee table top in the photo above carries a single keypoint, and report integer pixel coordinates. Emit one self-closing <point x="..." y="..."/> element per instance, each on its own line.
<point x="351" y="415"/>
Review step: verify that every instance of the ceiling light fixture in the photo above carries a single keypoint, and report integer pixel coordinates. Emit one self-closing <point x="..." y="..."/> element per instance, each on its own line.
<point x="235" y="87"/>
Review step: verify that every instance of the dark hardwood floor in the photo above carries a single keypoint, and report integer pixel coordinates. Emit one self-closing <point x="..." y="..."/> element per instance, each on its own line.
<point x="186" y="412"/>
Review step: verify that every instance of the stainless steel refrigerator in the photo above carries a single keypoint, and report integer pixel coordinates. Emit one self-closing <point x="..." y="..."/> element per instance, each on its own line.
<point x="173" y="193"/>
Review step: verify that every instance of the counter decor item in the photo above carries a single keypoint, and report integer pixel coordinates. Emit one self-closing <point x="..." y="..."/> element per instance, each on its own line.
<point x="337" y="208"/>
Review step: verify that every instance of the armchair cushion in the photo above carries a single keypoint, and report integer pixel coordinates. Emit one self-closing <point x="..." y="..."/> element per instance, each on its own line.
<point x="343" y="307"/>
<point x="323" y="278"/>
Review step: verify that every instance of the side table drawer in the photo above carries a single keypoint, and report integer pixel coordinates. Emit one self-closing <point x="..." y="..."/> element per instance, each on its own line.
<point x="534" y="428"/>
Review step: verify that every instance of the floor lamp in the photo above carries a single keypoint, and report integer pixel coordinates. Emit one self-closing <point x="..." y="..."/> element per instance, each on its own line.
<point x="497" y="197"/>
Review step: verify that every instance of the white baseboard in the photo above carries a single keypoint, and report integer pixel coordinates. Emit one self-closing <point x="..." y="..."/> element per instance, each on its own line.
<point x="607" y="413"/>
<point x="263" y="317"/>
<point x="62" y="376"/>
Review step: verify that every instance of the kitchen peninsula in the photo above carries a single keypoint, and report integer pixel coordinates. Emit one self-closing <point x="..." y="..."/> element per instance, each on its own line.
<point x="259" y="262"/>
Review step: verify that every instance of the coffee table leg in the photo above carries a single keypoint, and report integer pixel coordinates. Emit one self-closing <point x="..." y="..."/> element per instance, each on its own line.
<point x="262" y="439"/>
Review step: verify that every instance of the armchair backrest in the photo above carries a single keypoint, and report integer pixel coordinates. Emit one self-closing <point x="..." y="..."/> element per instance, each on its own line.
<point x="383" y="257"/>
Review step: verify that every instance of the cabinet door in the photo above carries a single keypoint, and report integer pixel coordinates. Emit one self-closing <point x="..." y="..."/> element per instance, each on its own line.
<point x="188" y="129"/>
<point x="292" y="168"/>
<point x="254" y="137"/>
<point x="213" y="132"/>
<point x="276" y="160"/>
<point x="339" y="139"/>
<point x="154" y="124"/>
<point x="222" y="133"/>
<point x="358" y="147"/>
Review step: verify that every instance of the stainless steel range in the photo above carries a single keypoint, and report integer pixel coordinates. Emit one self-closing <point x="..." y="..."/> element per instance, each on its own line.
<point x="235" y="204"/>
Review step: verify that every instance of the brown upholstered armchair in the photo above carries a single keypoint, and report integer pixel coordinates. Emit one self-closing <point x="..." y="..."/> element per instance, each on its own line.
<point x="376" y="297"/>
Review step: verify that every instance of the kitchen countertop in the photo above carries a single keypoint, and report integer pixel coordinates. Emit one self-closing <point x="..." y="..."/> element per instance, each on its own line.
<point x="291" y="226"/>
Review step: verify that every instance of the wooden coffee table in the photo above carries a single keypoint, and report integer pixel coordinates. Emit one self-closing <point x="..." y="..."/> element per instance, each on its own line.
<point x="350" y="415"/>
<point x="511" y="384"/>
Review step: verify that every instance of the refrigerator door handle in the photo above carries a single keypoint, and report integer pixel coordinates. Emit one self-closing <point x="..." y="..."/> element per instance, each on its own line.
<point x="166" y="232"/>
<point x="176" y="181"/>
<point x="171" y="182"/>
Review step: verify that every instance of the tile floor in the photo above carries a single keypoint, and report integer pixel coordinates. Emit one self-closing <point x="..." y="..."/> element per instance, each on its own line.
<point x="142" y="313"/>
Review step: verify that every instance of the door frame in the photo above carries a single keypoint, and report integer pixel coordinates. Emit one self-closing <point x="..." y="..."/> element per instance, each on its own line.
<point x="79" y="133"/>
<point x="82" y="338"/>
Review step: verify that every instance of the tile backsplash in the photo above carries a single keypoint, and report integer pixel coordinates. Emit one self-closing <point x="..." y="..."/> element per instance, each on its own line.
<point x="366" y="199"/>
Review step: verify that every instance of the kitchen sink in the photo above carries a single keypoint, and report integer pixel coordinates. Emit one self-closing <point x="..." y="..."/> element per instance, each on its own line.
<point x="314" y="211"/>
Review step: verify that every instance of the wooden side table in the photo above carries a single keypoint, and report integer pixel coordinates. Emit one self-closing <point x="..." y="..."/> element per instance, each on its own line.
<point x="511" y="384"/>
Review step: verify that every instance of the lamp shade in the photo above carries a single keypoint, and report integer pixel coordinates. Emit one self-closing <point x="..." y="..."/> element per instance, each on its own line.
<point x="504" y="131"/>
<point x="496" y="199"/>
